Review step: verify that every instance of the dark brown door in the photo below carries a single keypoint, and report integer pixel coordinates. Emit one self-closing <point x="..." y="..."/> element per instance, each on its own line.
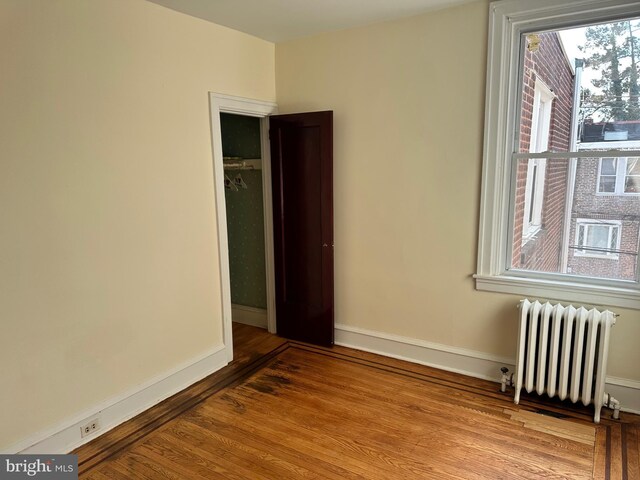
<point x="302" y="176"/>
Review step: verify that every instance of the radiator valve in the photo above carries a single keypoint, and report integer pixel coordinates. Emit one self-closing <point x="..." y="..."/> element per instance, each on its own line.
<point x="614" y="404"/>
<point x="506" y="379"/>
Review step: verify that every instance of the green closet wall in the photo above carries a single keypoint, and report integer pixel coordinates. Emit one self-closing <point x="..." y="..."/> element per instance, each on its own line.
<point x="245" y="217"/>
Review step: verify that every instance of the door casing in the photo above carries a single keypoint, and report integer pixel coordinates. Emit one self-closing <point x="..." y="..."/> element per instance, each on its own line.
<point x="220" y="103"/>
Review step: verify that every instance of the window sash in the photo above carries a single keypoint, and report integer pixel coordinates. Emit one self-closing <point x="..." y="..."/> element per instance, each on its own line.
<point x="594" y="281"/>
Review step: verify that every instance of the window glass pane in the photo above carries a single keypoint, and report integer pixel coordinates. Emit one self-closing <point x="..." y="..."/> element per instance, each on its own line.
<point x="633" y="166"/>
<point x="586" y="235"/>
<point x="601" y="62"/>
<point x="632" y="181"/>
<point x="614" y="239"/>
<point x="632" y="184"/>
<point x="607" y="184"/>
<point x="546" y="95"/>
<point x="608" y="166"/>
<point x="581" y="235"/>
<point x="598" y="237"/>
<point x="580" y="92"/>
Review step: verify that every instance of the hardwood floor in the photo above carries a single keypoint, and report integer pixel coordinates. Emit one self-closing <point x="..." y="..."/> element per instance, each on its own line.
<point x="289" y="410"/>
<point x="253" y="347"/>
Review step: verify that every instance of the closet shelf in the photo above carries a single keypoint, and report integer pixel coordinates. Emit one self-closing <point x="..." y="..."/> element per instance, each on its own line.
<point x="239" y="163"/>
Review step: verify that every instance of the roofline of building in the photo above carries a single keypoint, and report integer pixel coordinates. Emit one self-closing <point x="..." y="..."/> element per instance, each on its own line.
<point x="610" y="145"/>
<point x="571" y="63"/>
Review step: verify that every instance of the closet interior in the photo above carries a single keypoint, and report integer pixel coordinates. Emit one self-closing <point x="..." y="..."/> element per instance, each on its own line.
<point x="241" y="148"/>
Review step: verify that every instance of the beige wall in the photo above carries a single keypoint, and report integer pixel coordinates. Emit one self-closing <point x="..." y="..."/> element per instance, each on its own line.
<point x="108" y="256"/>
<point x="408" y="100"/>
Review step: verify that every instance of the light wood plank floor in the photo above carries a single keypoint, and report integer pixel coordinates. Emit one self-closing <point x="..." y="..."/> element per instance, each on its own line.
<point x="289" y="410"/>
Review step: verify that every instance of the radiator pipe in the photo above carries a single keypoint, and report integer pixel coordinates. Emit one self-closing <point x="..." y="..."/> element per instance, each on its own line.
<point x="506" y="379"/>
<point x="614" y="404"/>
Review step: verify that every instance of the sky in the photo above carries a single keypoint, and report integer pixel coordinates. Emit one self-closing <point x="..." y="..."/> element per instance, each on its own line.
<point x="571" y="39"/>
<point x="574" y="37"/>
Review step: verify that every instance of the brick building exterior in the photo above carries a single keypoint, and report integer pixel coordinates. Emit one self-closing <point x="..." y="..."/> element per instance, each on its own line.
<point x="540" y="247"/>
<point x="618" y="209"/>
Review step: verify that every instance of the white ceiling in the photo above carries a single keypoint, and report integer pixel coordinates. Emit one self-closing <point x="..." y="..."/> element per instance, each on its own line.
<point x="280" y="20"/>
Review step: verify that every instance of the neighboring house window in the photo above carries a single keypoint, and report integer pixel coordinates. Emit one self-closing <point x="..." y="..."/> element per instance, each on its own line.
<point x="540" y="213"/>
<point x="619" y="176"/>
<point x="608" y="175"/>
<point x="536" y="168"/>
<point x="597" y="239"/>
<point x="632" y="176"/>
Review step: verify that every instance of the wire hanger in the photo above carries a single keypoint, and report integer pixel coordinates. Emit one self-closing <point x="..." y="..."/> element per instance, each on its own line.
<point x="228" y="184"/>
<point x="239" y="182"/>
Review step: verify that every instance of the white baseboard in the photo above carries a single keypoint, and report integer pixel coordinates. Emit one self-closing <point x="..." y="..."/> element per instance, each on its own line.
<point x="625" y="390"/>
<point x="460" y="360"/>
<point x="256" y="317"/>
<point x="65" y="437"/>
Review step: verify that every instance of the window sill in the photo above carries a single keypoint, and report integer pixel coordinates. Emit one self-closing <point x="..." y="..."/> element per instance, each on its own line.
<point x="531" y="234"/>
<point x="591" y="255"/>
<point x="563" y="291"/>
<point x="617" y="194"/>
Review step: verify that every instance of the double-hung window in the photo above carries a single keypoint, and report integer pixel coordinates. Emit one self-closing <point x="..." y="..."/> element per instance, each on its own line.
<point x="560" y="210"/>
<point x="597" y="239"/>
<point x="619" y="176"/>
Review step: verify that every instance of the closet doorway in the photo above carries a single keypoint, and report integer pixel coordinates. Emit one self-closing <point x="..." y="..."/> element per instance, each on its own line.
<point x="299" y="270"/>
<point x="247" y="294"/>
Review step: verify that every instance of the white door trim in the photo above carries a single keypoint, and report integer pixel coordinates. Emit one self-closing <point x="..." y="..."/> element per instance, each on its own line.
<point x="255" y="108"/>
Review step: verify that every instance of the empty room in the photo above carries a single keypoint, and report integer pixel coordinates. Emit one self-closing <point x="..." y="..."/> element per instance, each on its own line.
<point x="268" y="239"/>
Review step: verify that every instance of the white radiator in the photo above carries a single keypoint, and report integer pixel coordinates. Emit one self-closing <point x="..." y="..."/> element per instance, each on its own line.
<point x="562" y="351"/>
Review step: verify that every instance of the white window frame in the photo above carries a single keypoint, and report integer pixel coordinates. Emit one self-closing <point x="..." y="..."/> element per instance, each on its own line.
<point x="586" y="224"/>
<point x="508" y="20"/>
<point x="536" y="169"/>
<point x="621" y="178"/>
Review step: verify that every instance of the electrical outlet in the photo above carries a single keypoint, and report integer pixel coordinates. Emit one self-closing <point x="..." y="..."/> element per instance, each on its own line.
<point x="90" y="427"/>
